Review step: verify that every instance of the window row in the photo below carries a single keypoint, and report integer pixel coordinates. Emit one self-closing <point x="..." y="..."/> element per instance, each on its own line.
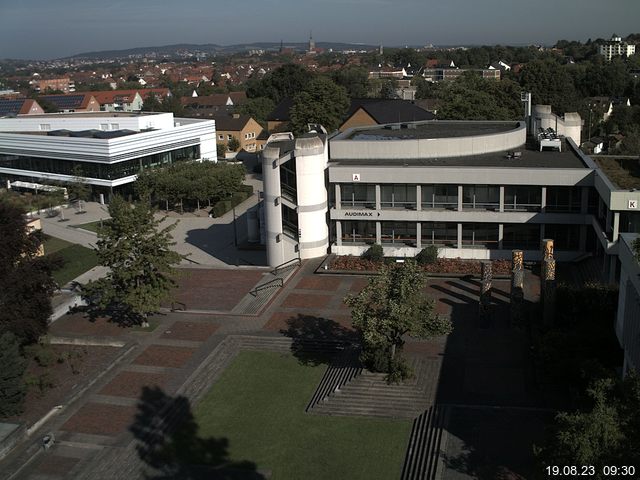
<point x="445" y="234"/>
<point x="474" y="197"/>
<point x="106" y="171"/>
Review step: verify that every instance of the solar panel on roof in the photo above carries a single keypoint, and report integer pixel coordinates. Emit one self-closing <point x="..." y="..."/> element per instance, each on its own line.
<point x="10" y="107"/>
<point x="65" y="102"/>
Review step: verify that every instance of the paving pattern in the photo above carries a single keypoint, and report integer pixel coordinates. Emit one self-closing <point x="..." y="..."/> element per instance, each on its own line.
<point x="187" y="352"/>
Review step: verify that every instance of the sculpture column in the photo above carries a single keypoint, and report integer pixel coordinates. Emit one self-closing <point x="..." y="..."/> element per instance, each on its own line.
<point x="486" y="275"/>
<point x="517" y="287"/>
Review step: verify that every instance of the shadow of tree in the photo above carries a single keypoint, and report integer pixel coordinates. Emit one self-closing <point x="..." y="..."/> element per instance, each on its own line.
<point x="317" y="340"/>
<point x="169" y="444"/>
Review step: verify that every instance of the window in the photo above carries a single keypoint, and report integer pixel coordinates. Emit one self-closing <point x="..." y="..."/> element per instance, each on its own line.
<point x="563" y="199"/>
<point x="522" y="236"/>
<point x="565" y="237"/>
<point x="445" y="234"/>
<point x="358" y="232"/>
<point x="115" y="126"/>
<point x="220" y="137"/>
<point x="522" y="198"/>
<point x="289" y="222"/>
<point x="398" y="196"/>
<point x="288" y="180"/>
<point x="398" y="233"/>
<point x="358" y="195"/>
<point x="45" y="126"/>
<point x="229" y="137"/>
<point x="480" y="235"/>
<point x="104" y="126"/>
<point x="439" y="197"/>
<point x="481" y="197"/>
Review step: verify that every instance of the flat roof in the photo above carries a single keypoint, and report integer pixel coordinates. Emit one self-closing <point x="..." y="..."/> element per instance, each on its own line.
<point x="89" y="115"/>
<point x="530" y="158"/>
<point x="429" y="129"/>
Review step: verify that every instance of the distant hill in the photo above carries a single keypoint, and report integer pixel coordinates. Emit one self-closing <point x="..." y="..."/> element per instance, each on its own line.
<point x="211" y="49"/>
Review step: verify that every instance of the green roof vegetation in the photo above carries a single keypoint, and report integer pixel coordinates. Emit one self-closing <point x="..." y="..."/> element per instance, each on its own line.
<point x="624" y="173"/>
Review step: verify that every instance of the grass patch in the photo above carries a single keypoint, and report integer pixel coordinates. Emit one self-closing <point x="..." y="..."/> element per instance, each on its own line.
<point x="91" y="226"/>
<point x="77" y="259"/>
<point x="258" y="405"/>
<point x="623" y="172"/>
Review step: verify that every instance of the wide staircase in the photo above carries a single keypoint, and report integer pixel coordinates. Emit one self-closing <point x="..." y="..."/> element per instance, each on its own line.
<point x="369" y="394"/>
<point x="423" y="457"/>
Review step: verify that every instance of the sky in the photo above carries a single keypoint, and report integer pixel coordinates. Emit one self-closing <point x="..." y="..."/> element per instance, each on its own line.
<point x="46" y="29"/>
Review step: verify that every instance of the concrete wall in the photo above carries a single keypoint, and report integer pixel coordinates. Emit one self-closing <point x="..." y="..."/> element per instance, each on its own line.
<point x="628" y="316"/>
<point x="429" y="147"/>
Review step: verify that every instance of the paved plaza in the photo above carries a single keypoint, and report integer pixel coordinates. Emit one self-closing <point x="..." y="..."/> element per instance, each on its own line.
<point x="480" y="368"/>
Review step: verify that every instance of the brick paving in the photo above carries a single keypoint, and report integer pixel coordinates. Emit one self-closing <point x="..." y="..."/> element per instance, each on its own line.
<point x="192" y="331"/>
<point x="56" y="465"/>
<point x="101" y="419"/>
<point x="219" y="289"/>
<point x="303" y="300"/>
<point x="78" y="324"/>
<point x="130" y="384"/>
<point x="476" y="367"/>
<point x="164" y="356"/>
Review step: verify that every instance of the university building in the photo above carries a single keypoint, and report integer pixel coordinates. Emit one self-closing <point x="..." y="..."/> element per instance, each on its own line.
<point x="476" y="190"/>
<point x="110" y="148"/>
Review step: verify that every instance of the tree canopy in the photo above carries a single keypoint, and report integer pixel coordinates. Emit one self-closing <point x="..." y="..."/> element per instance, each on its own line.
<point x="283" y="82"/>
<point x="140" y="261"/>
<point x="550" y="84"/>
<point x="354" y="79"/>
<point x="391" y="306"/>
<point x="12" y="386"/>
<point x="26" y="284"/>
<point x="322" y="102"/>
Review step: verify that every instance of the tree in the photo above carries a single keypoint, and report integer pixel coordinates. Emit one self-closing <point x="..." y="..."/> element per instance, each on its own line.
<point x="152" y="103"/>
<point x="257" y="108"/>
<point x="551" y="84"/>
<point x="140" y="261"/>
<point x="26" y="284"/>
<point x="606" y="432"/>
<point x="322" y="102"/>
<point x="354" y="79"/>
<point x="391" y="306"/>
<point x="79" y="187"/>
<point x="283" y="82"/>
<point x="12" y="386"/>
<point x="233" y="144"/>
<point x="388" y="88"/>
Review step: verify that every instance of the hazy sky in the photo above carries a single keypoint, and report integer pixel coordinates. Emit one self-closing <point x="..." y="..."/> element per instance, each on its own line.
<point x="40" y="29"/>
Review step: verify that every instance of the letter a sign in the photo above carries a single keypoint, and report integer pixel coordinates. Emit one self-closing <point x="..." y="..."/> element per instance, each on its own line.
<point x="356" y="177"/>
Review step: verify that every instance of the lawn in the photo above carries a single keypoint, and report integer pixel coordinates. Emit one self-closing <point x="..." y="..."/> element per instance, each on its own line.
<point x="258" y="405"/>
<point x="78" y="259"/>
<point x="91" y="226"/>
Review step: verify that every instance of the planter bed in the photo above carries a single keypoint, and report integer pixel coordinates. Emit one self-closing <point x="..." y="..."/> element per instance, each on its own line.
<point x="443" y="267"/>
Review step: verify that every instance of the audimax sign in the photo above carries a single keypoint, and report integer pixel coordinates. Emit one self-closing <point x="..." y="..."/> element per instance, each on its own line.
<point x="360" y="214"/>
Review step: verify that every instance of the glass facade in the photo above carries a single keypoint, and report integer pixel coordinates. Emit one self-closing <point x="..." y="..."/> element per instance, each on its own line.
<point x="289" y="222"/>
<point x="521" y="236"/>
<point x="398" y="196"/>
<point x="480" y="235"/>
<point x="565" y="237"/>
<point x="288" y="181"/>
<point x="358" y="195"/>
<point x="398" y="233"/>
<point x="105" y="171"/>
<point x="481" y="197"/>
<point x="522" y="198"/>
<point x="439" y="197"/>
<point x="563" y="199"/>
<point x="358" y="232"/>
<point x="444" y="234"/>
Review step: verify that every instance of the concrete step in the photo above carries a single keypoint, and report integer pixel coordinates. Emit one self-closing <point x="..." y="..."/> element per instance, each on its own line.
<point x="423" y="457"/>
<point x="365" y="412"/>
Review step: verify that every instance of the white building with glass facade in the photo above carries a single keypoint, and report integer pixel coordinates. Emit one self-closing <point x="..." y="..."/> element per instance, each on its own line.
<point x="474" y="189"/>
<point x="110" y="148"/>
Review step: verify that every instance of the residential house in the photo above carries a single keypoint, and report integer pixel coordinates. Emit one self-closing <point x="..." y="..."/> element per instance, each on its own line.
<point x="242" y="127"/>
<point x="74" y="102"/>
<point x="212" y="105"/>
<point x="375" y="111"/>
<point x="65" y="85"/>
<point x="14" y="107"/>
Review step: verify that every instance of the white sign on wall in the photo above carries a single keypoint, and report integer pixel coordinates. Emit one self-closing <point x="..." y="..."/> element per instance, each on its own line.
<point x="633" y="204"/>
<point x="356" y="177"/>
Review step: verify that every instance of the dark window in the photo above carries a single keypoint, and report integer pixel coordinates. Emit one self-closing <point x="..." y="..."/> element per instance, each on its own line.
<point x="288" y="181"/>
<point x="563" y="199"/>
<point x="521" y="236"/>
<point x="480" y="235"/>
<point x="565" y="237"/>
<point x="482" y="197"/>
<point x="398" y="233"/>
<point x="289" y="222"/>
<point x="439" y="197"/>
<point x="445" y="234"/>
<point x="358" y="195"/>
<point x="398" y="196"/>
<point x="522" y="198"/>
<point x="358" y="232"/>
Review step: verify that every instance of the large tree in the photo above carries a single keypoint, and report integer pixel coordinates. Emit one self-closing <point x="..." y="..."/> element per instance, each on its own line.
<point x="140" y="261"/>
<point x="26" y="284"/>
<point x="550" y="84"/>
<point x="283" y="82"/>
<point x="321" y="102"/>
<point x="354" y="79"/>
<point x="391" y="306"/>
<point x="12" y="386"/>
